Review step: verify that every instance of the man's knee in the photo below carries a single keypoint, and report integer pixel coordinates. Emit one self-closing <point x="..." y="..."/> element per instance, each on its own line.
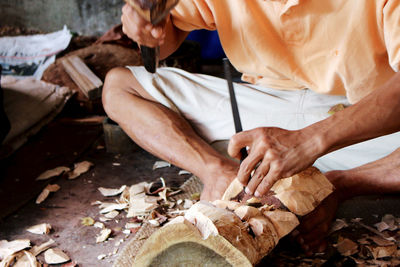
<point x="111" y="86"/>
<point x="121" y="80"/>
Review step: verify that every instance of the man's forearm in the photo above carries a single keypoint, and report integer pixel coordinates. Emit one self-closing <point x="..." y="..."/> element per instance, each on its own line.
<point x="376" y="115"/>
<point x="173" y="39"/>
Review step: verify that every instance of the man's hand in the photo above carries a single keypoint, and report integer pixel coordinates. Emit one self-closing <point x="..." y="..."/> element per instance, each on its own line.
<point x="274" y="153"/>
<point x="140" y="30"/>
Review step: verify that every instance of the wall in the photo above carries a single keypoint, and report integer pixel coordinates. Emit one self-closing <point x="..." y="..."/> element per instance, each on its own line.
<point x="86" y="17"/>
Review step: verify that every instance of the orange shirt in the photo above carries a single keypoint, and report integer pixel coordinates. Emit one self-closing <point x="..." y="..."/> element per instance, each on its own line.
<point x="340" y="47"/>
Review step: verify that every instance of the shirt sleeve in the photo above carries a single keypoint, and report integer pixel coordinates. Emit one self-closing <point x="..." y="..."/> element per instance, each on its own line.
<point x="191" y="15"/>
<point x="391" y="30"/>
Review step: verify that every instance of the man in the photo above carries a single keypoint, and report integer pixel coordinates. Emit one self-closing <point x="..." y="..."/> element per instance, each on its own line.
<point x="300" y="59"/>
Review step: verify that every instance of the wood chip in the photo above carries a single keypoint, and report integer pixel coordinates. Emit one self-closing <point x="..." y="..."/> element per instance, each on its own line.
<point x="381" y="241"/>
<point x="132" y="225"/>
<point x="55" y="256"/>
<point x="110" y="192"/>
<point x="246" y="212"/>
<point x="187" y="204"/>
<point x="336" y="108"/>
<point x="70" y="264"/>
<point x="27" y="260"/>
<point x="382" y="226"/>
<point x="338" y="225"/>
<point x="40" y="229"/>
<point x="36" y="250"/>
<point x="8" y="248"/>
<point x="154" y="222"/>
<point x="87" y="221"/>
<point x="390" y="220"/>
<point x="346" y="247"/>
<point x="111" y="214"/>
<point x="46" y="192"/>
<point x="139" y="206"/>
<point x="382" y="252"/>
<point x="52" y="173"/>
<point x="99" y="225"/>
<point x="101" y="256"/>
<point x="161" y="164"/>
<point x="79" y="168"/>
<point x="113" y="206"/>
<point x="103" y="236"/>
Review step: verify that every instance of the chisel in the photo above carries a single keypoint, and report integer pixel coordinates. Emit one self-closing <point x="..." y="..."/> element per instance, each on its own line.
<point x="154" y="11"/>
<point x="235" y="109"/>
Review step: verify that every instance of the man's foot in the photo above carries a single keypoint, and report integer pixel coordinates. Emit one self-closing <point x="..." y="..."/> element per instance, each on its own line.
<point x="217" y="182"/>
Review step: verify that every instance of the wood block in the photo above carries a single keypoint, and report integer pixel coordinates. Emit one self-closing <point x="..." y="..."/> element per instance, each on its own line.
<point x="85" y="79"/>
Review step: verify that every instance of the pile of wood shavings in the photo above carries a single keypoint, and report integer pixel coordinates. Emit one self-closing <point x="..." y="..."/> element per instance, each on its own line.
<point x="353" y="243"/>
<point x="152" y="203"/>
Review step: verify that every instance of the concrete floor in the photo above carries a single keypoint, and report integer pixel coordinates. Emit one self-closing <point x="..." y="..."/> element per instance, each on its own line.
<point x="65" y="208"/>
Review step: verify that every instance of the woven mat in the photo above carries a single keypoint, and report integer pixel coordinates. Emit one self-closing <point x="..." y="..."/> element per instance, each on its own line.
<point x="127" y="256"/>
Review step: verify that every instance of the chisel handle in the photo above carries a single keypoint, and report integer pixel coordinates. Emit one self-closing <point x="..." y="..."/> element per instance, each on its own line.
<point x="150" y="58"/>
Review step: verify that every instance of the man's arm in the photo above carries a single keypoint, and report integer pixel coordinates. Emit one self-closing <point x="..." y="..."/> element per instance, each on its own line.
<point x="283" y="153"/>
<point x="165" y="34"/>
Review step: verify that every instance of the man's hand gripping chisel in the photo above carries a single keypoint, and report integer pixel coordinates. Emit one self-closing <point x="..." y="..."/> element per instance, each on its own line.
<point x="154" y="11"/>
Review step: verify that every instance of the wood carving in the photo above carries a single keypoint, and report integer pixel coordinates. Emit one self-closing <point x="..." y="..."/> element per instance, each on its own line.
<point x="235" y="233"/>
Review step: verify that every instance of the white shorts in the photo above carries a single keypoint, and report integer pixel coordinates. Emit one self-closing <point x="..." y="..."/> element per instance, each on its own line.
<point x="204" y="101"/>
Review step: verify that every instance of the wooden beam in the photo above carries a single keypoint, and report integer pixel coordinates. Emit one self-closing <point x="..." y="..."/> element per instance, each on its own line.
<point x="84" y="78"/>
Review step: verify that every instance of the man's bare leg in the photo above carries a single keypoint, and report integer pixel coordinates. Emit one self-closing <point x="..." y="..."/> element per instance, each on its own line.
<point x="378" y="177"/>
<point x="165" y="133"/>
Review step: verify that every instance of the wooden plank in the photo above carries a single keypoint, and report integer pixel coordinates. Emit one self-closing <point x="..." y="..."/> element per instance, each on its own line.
<point x="84" y="78"/>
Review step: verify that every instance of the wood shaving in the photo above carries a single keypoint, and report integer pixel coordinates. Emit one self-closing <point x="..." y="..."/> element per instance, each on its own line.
<point x="40" y="229"/>
<point x="154" y="222"/>
<point x="8" y="248"/>
<point x="111" y="214"/>
<point x="113" y="207"/>
<point x="161" y="164"/>
<point x="46" y="192"/>
<point x="381" y="241"/>
<point x="27" y="259"/>
<point x="70" y="264"/>
<point x="87" y="221"/>
<point x="79" y="168"/>
<point x="52" y="173"/>
<point x="99" y="225"/>
<point x="338" y="225"/>
<point x="382" y="252"/>
<point x="132" y="225"/>
<point x="346" y="247"/>
<point x="336" y="108"/>
<point x="103" y="236"/>
<point x="382" y="226"/>
<point x="183" y="172"/>
<point x="195" y="196"/>
<point x="104" y="219"/>
<point x="101" y="256"/>
<point x="390" y="220"/>
<point x="55" y="256"/>
<point x="110" y="192"/>
<point x="373" y="230"/>
<point x="36" y="250"/>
